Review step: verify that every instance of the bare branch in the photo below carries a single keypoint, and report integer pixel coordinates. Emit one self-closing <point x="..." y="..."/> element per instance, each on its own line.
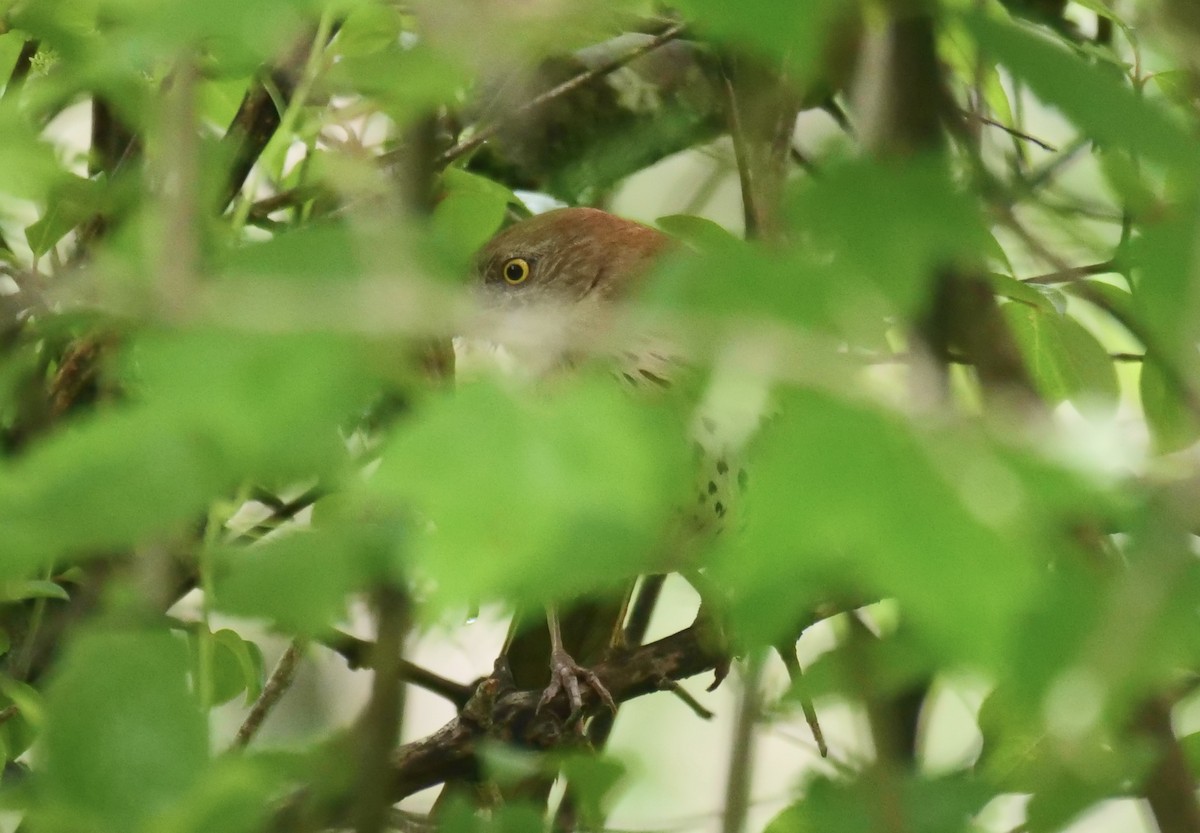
<point x="483" y="134"/>
<point x="277" y="684"/>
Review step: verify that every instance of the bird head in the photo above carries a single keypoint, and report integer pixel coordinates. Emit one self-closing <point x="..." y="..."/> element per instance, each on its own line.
<point x="554" y="282"/>
<point x="566" y="257"/>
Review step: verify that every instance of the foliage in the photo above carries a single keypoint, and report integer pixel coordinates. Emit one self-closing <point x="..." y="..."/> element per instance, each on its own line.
<point x="235" y="239"/>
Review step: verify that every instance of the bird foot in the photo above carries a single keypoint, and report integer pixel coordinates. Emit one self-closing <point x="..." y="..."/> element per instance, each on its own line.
<point x="715" y="638"/>
<point x="566" y="675"/>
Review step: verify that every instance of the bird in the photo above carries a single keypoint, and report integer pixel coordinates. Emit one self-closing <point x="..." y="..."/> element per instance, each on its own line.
<point x="576" y="267"/>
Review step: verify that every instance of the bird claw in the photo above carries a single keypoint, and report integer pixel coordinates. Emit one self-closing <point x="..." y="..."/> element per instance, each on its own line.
<point x="566" y="675"/>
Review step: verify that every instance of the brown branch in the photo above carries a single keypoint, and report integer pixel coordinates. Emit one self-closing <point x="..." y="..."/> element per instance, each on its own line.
<point x="1074" y="273"/>
<point x="570" y="85"/>
<point x="277" y="684"/>
<point x="496" y="713"/>
<point x="290" y="198"/>
<point x="357" y="653"/>
<point x="380" y="726"/>
<point x="791" y="661"/>
<point x="741" y="757"/>
<point x="1170" y="788"/>
<point x="1012" y="131"/>
<point x="258" y="115"/>
<point x="24" y="63"/>
<point x="751" y="211"/>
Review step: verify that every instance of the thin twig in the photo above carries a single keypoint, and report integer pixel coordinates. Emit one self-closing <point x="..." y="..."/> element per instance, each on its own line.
<point x="286" y="123"/>
<point x="358" y="652"/>
<point x="688" y="700"/>
<point x="791" y="661"/>
<point x="1074" y="273"/>
<point x="1012" y="131"/>
<point x="284" y="199"/>
<point x="8" y="713"/>
<point x="277" y="684"/>
<point x="570" y="85"/>
<point x="180" y="165"/>
<point x="380" y="726"/>
<point x="741" y="758"/>
<point x="21" y="69"/>
<point x="751" y="211"/>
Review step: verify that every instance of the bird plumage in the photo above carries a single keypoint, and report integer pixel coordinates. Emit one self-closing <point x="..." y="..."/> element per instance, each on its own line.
<point x="575" y="267"/>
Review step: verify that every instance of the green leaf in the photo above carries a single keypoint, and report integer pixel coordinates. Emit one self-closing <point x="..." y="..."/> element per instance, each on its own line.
<point x="125" y="738"/>
<point x="942" y="805"/>
<point x="892" y="227"/>
<point x="368" y="29"/>
<point x="1166" y="294"/>
<point x="1065" y="360"/>
<point x="236" y="665"/>
<point x="535" y="495"/>
<point x="237" y="794"/>
<point x="28" y="168"/>
<point x="71" y="202"/>
<point x="18" y="733"/>
<point x="698" y="232"/>
<point x="593" y="780"/>
<point x="212" y="409"/>
<point x="321" y="252"/>
<point x="798" y="30"/>
<point x="468" y="215"/>
<point x="407" y="82"/>
<point x="301" y="581"/>
<point x="1173" y="423"/>
<point x="1178" y="86"/>
<point x="16" y="591"/>
<point x="1013" y="289"/>
<point x="834" y="493"/>
<point x="1108" y="110"/>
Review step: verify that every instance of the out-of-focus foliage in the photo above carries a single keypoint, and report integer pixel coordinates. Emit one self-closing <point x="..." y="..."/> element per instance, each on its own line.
<point x="223" y="417"/>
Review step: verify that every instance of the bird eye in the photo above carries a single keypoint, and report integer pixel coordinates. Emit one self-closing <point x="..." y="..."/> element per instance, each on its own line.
<point x="516" y="271"/>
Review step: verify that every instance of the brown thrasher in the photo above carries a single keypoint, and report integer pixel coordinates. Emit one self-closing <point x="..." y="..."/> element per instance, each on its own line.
<point x="576" y="265"/>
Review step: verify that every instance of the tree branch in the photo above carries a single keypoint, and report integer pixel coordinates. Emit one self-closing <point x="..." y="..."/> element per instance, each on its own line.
<point x="483" y="134"/>
<point x="258" y="116"/>
<point x="495" y="713"/>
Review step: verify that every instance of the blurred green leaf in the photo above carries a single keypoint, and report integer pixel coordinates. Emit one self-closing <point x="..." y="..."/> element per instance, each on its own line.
<point x="301" y="581"/>
<point x="891" y="227"/>
<point x="71" y="202"/>
<point x="28" y="168"/>
<point x="369" y="28"/>
<point x="1165" y="292"/>
<point x="1178" y="86"/>
<point x="1065" y="360"/>
<point x="318" y="252"/>
<point x="236" y="664"/>
<point x="124" y="738"/>
<point x="700" y="233"/>
<point x="798" y="30"/>
<point x="536" y="495"/>
<point x="834" y="493"/>
<point x="468" y="214"/>
<point x="1009" y="287"/>
<point x="405" y="82"/>
<point x="1173" y="422"/>
<point x="1108" y="110"/>
<point x="213" y="409"/>
<point x="18" y="732"/>
<point x="238" y="794"/>
<point x="593" y="780"/>
<point x="943" y="805"/>
<point x="16" y="591"/>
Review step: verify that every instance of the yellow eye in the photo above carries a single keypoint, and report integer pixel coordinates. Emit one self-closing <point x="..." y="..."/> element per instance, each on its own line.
<point x="515" y="271"/>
